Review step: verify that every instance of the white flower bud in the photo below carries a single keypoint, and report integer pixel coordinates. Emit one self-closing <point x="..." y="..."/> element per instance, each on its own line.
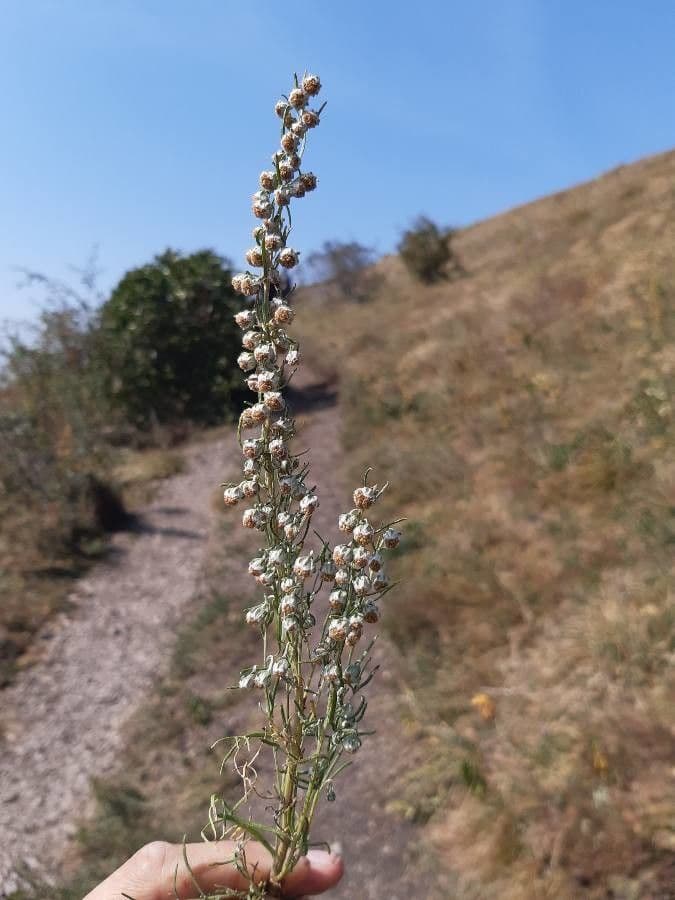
<point x="252" y="383"/>
<point x="342" y="577"/>
<point x="281" y="667"/>
<point x="283" y="426"/>
<point x="274" y="400"/>
<point x="361" y="585"/>
<point x="348" y="521"/>
<point x="290" y="625"/>
<point x="256" y="614"/>
<point x="249" y="488"/>
<point x="289" y="142"/>
<point x="337" y="630"/>
<point x="252" y="448"/>
<point x="309" y="181"/>
<point x="299" y="129"/>
<point x="262" y="678"/>
<point x="281" y="107"/>
<point x="391" y="538"/>
<point x="232" y="496"/>
<point x="363" y="533"/>
<point x="283" y="518"/>
<point x="257" y="566"/>
<point x="267" y="579"/>
<point x="331" y="673"/>
<point x="293" y="358"/>
<point x="286" y="487"/>
<point x="254" y="518"/>
<point x="276" y="557"/>
<point x="299" y="489"/>
<point x="360" y="558"/>
<point x="282" y="197"/>
<point x="251" y="339"/>
<point x="288" y="605"/>
<point x="247" y="681"/>
<point x="288" y="257"/>
<point x="309" y="503"/>
<point x="337" y="600"/>
<point x="262" y="210"/>
<point x="304" y="566"/>
<point x="291" y="532"/>
<point x="342" y="554"/>
<point x="246" y="361"/>
<point x="288" y="585"/>
<point x="380" y="581"/>
<point x="375" y="562"/>
<point x="250" y="467"/>
<point x="258" y="413"/>
<point x="245" y="318"/>
<point x="265" y="354"/>
<point x="327" y="570"/>
<point x="284" y="315"/>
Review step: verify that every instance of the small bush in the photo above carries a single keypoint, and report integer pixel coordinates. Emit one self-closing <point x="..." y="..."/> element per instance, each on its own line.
<point x="171" y="341"/>
<point x="426" y="251"/>
<point x="344" y="268"/>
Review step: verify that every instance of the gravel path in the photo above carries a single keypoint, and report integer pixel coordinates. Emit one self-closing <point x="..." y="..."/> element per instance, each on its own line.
<point x="62" y="719"/>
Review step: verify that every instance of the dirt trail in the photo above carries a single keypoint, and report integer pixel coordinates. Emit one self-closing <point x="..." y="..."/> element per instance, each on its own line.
<point x="63" y="720"/>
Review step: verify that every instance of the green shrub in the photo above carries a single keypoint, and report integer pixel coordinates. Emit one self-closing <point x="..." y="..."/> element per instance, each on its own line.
<point x="171" y="341"/>
<point x="426" y="251"/>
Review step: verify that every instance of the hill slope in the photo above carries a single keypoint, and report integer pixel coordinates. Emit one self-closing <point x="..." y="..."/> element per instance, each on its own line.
<point x="524" y="415"/>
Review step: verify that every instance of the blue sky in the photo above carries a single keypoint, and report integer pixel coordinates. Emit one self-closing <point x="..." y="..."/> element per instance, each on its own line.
<point x="139" y="124"/>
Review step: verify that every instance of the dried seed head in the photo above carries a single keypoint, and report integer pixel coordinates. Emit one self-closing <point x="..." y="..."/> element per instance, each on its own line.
<point x="290" y="625"/>
<point x="258" y="413"/>
<point x="289" y="142"/>
<point x="250" y="519"/>
<point x="331" y="673"/>
<point x="351" y="743"/>
<point x="342" y="577"/>
<point x="304" y="566"/>
<point x="246" y="361"/>
<point x="375" y="562"/>
<point x="265" y="354"/>
<point x="262" y="209"/>
<point x="379" y="581"/>
<point x="337" y="630"/>
<point x="250" y="467"/>
<point x="232" y="496"/>
<point x="360" y="558"/>
<point x="286" y="487"/>
<point x="281" y="108"/>
<point x="308" y="181"/>
<point x="352" y="674"/>
<point x="337" y="600"/>
<point x="288" y="258"/>
<point x="252" y="383"/>
<point x="274" y="400"/>
<point x="297" y="189"/>
<point x="363" y="533"/>
<point x="293" y="358"/>
<point x="249" y="488"/>
<point x="281" y="667"/>
<point x="268" y="180"/>
<point x="283" y="426"/>
<point x="311" y="84"/>
<point x="291" y="532"/>
<point x="297" y="98"/>
<point x="273" y="242"/>
<point x="391" y="538"/>
<point x="310" y="118"/>
<point x="288" y="605"/>
<point x="286" y="170"/>
<point x="328" y="569"/>
<point x="278" y="449"/>
<point x="268" y="379"/>
<point x="283" y="518"/>
<point x="371" y="613"/>
<point x="252" y="448"/>
<point x="257" y="566"/>
<point x="342" y="554"/>
<point x="247" y="681"/>
<point x="364" y="497"/>
<point x="347" y="522"/>
<point x="254" y="257"/>
<point x="282" y="197"/>
<point x="361" y="585"/>
<point x="283" y="314"/>
<point x="299" y="129"/>
<point x="251" y="339"/>
<point x="245" y="318"/>
<point x="246" y="420"/>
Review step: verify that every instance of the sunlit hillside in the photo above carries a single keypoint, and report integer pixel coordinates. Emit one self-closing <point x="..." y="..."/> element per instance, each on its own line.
<point x="524" y="415"/>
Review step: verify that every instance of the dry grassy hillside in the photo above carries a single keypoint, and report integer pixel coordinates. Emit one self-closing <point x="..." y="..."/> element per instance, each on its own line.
<point x="524" y="415"/>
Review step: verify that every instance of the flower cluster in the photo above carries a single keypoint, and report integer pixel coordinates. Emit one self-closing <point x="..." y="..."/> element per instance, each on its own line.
<point x="316" y="604"/>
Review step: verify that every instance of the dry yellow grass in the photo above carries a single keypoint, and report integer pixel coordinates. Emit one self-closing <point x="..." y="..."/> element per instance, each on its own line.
<point x="524" y="415"/>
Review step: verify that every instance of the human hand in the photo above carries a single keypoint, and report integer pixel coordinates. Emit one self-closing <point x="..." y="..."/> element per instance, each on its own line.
<point x="156" y="869"/>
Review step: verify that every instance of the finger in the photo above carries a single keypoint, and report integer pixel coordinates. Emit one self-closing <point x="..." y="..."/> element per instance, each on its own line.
<point x="159" y="869"/>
